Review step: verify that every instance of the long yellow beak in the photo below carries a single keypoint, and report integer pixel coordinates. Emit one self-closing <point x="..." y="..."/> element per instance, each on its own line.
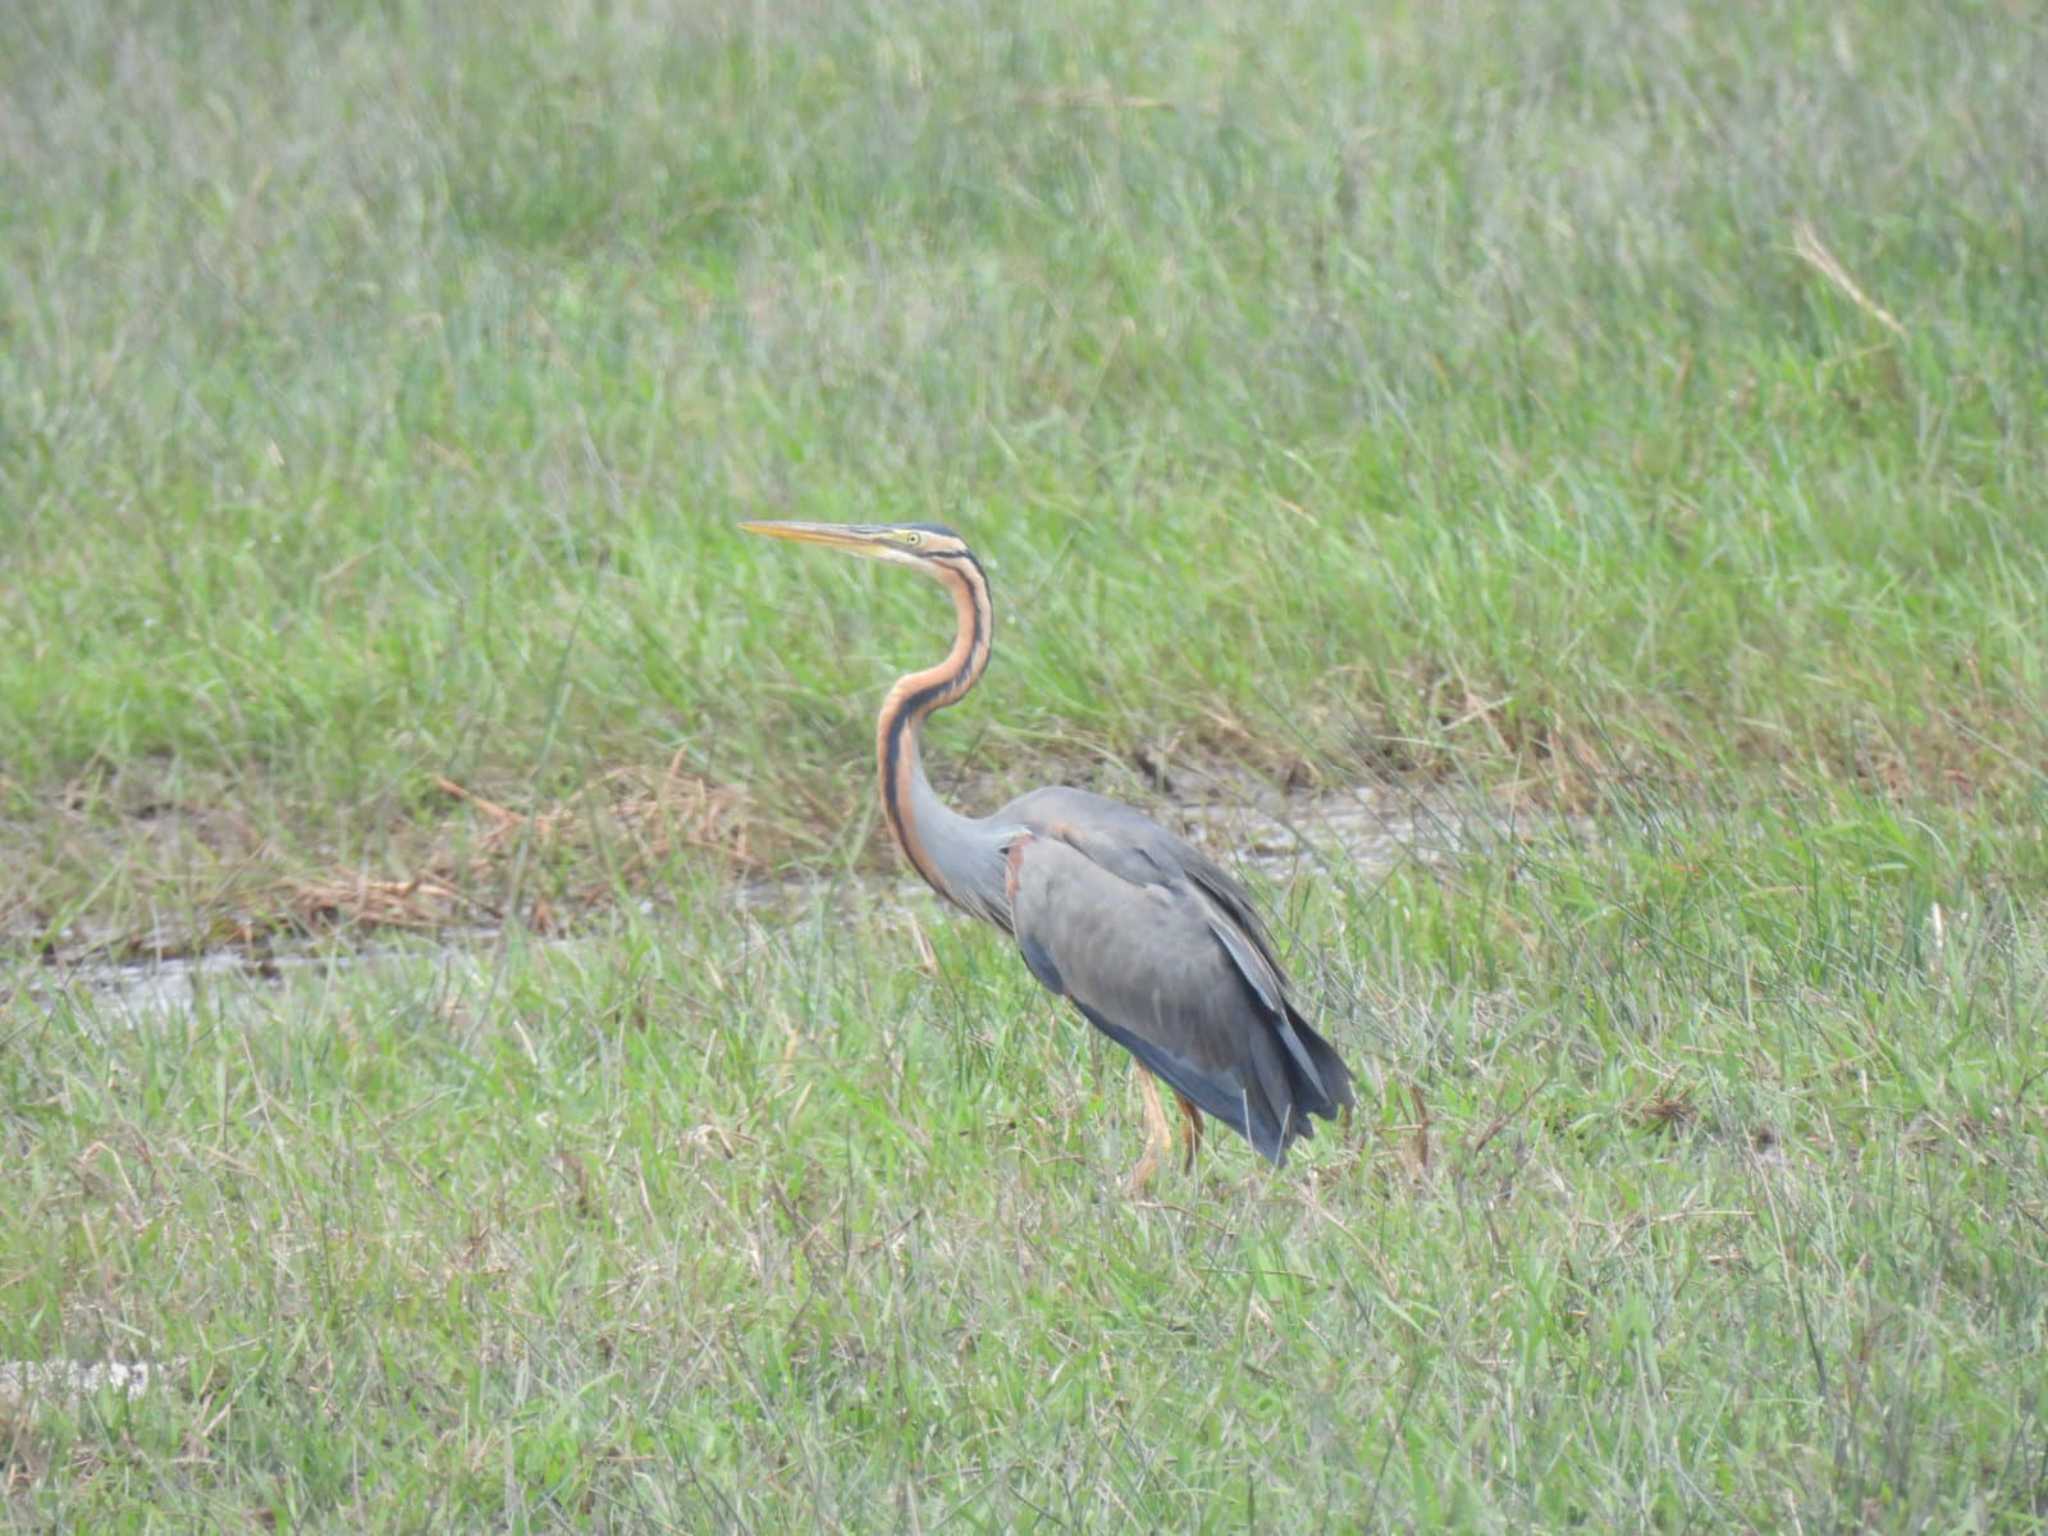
<point x="855" y="540"/>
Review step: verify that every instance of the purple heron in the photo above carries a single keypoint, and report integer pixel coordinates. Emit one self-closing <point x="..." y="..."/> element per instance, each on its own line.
<point x="1157" y="946"/>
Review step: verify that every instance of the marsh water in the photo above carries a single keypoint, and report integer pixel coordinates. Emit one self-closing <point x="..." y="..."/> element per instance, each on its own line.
<point x="1358" y="835"/>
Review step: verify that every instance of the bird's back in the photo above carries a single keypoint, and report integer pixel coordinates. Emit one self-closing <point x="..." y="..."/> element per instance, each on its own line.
<point x="1163" y="951"/>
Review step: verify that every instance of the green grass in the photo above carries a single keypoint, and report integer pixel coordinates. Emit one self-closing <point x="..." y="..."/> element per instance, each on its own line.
<point x="381" y="387"/>
<point x="1633" y="412"/>
<point x="1727" y="1212"/>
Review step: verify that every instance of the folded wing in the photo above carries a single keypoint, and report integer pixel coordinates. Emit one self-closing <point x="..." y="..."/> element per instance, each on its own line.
<point x="1161" y="951"/>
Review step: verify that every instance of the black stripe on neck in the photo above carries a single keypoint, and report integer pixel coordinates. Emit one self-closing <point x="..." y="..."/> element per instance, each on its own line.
<point x="905" y="721"/>
<point x="912" y="711"/>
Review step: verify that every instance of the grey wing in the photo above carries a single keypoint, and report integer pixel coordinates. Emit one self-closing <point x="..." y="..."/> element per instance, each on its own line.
<point x="1162" y="967"/>
<point x="1129" y="843"/>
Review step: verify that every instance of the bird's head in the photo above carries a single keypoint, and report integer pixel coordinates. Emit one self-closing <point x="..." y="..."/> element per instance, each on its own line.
<point x="928" y="545"/>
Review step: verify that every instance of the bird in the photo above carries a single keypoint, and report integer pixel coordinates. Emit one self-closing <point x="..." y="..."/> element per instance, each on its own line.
<point x="1156" y="946"/>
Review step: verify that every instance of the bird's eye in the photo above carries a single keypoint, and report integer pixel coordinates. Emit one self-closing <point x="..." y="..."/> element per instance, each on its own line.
<point x="912" y="537"/>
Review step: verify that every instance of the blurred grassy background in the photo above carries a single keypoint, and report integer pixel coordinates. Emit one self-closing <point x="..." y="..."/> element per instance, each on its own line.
<point x="1335" y="393"/>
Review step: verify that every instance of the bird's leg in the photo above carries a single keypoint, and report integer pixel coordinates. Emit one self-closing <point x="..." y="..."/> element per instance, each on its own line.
<point x="1158" y="1134"/>
<point x="1193" y="1117"/>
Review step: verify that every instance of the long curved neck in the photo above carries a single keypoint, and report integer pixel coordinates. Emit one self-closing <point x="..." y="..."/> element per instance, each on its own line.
<point x="941" y="844"/>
